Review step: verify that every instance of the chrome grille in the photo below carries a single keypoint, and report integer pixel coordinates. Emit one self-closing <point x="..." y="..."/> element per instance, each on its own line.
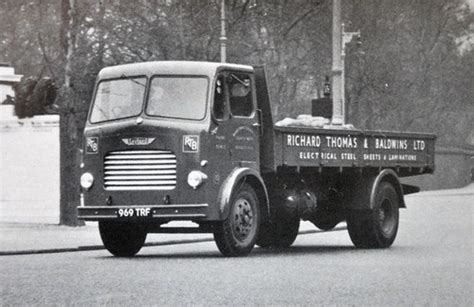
<point x="140" y="170"/>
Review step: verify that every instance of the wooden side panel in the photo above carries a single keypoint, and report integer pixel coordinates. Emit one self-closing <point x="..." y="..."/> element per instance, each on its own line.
<point x="307" y="147"/>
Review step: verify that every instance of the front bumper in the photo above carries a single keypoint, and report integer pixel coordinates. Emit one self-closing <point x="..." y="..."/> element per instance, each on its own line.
<point x="183" y="212"/>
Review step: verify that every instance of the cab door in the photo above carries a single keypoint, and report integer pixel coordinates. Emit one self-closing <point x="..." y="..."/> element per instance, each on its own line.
<point x="243" y="123"/>
<point x="236" y="126"/>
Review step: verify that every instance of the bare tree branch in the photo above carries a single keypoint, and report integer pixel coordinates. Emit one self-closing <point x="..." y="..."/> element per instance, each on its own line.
<point x="48" y="62"/>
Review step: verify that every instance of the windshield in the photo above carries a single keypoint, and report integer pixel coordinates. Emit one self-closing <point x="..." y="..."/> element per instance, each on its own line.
<point x="117" y="99"/>
<point x="178" y="97"/>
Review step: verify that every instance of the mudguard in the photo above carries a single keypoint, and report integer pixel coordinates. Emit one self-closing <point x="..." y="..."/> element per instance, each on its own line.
<point x="237" y="177"/>
<point x="390" y="176"/>
<point x="365" y="189"/>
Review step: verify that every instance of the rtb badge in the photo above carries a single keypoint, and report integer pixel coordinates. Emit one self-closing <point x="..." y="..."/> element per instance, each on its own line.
<point x="92" y="145"/>
<point x="191" y="143"/>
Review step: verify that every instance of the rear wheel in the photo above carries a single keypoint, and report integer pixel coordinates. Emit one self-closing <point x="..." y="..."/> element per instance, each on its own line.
<point x="236" y="236"/>
<point x="122" y="239"/>
<point x="378" y="227"/>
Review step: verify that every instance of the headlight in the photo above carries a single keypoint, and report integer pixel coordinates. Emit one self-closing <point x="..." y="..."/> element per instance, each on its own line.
<point x="196" y="178"/>
<point x="87" y="180"/>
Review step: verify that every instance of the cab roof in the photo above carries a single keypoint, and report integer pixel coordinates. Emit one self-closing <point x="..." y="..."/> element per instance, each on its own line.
<point x="169" y="68"/>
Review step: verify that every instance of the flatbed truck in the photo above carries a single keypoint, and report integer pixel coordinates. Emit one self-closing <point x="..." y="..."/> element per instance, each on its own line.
<point x="195" y="141"/>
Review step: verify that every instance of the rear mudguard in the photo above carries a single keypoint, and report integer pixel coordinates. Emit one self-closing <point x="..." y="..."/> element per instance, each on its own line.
<point x="238" y="177"/>
<point x="365" y="189"/>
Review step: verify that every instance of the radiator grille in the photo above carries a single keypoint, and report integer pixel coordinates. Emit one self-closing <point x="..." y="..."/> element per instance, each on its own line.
<point x="140" y="170"/>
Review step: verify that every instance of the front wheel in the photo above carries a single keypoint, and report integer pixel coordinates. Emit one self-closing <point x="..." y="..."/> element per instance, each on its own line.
<point x="378" y="227"/>
<point x="236" y="235"/>
<point x="122" y="239"/>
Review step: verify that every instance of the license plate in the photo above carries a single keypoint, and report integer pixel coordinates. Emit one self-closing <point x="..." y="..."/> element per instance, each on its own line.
<point x="133" y="212"/>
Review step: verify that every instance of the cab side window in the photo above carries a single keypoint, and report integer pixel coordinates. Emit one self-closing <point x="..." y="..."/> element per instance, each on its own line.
<point x="240" y="94"/>
<point x="219" y="99"/>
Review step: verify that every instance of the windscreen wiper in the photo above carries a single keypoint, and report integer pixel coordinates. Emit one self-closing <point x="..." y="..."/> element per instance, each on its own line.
<point x="124" y="76"/>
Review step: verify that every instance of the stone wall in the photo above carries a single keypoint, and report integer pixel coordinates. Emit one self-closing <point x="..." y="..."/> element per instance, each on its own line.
<point x="29" y="167"/>
<point x="7" y="79"/>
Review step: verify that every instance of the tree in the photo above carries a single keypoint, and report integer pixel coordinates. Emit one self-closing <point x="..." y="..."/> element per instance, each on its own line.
<point x="408" y="77"/>
<point x="69" y="155"/>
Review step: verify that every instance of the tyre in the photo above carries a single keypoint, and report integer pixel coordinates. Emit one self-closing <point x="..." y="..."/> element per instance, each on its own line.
<point x="122" y="239"/>
<point x="280" y="234"/>
<point x="236" y="236"/>
<point x="378" y="227"/>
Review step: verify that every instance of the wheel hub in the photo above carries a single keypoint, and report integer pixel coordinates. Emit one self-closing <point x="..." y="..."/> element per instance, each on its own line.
<point x="243" y="218"/>
<point x="386" y="217"/>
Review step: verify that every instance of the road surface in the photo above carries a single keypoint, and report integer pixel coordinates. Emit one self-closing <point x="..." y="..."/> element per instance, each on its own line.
<point x="431" y="263"/>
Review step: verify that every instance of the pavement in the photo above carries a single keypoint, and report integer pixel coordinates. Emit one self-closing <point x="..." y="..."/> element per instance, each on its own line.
<point x="36" y="238"/>
<point x="31" y="238"/>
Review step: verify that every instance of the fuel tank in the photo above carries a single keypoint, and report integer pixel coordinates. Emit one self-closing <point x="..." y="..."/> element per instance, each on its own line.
<point x="298" y="203"/>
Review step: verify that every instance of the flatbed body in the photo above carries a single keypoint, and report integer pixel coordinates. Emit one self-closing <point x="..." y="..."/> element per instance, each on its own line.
<point x="409" y="153"/>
